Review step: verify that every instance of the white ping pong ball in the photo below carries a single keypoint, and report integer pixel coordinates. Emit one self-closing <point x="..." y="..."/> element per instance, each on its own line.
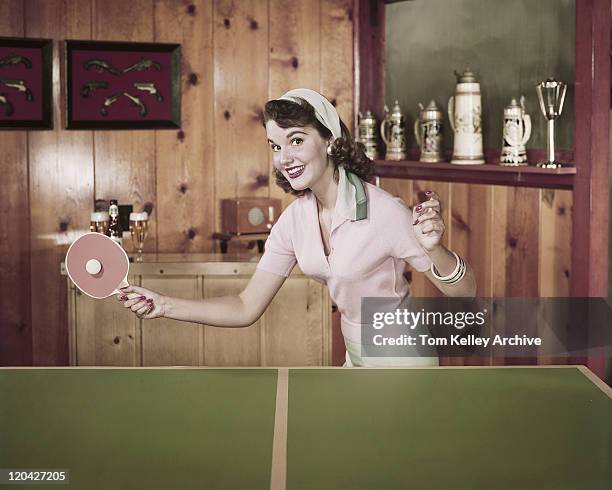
<point x="93" y="266"/>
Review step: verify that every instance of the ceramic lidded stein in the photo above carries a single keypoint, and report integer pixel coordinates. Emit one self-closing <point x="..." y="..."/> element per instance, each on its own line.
<point x="368" y="134"/>
<point x="516" y="133"/>
<point x="428" y="132"/>
<point x="464" y="112"/>
<point x="392" y="131"/>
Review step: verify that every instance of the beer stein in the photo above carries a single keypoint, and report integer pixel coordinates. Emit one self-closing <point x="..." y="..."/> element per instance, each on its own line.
<point x="464" y="113"/>
<point x="99" y="222"/>
<point x="139" y="230"/>
<point x="428" y="132"/>
<point x="516" y="133"/>
<point x="393" y="134"/>
<point x="368" y="135"/>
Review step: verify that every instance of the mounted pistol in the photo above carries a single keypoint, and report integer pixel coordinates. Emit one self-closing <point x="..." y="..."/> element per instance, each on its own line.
<point x="90" y="87"/>
<point x="20" y="86"/>
<point x="151" y="88"/>
<point x="13" y="59"/>
<point x="138" y="103"/>
<point x="142" y="65"/>
<point x="100" y="66"/>
<point x="108" y="102"/>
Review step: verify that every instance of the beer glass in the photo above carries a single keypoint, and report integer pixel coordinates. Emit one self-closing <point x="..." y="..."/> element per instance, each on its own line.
<point x="99" y="222"/>
<point x="138" y="230"/>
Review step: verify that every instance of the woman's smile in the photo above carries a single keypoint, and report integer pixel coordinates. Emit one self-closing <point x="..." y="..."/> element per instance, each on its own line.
<point x="295" y="171"/>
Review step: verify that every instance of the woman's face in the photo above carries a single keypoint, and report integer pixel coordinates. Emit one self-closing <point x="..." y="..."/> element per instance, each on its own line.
<point x="300" y="153"/>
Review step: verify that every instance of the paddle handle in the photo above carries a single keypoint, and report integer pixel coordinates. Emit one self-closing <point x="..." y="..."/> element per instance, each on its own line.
<point x="123" y="284"/>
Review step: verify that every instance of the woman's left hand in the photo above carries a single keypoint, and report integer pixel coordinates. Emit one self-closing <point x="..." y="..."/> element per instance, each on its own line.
<point x="428" y="224"/>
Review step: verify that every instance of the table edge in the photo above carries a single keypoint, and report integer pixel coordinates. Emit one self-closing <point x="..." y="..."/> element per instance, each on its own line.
<point x="587" y="373"/>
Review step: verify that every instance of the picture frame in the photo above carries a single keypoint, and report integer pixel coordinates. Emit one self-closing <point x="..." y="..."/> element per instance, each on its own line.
<point x="26" y="83"/>
<point x="122" y="85"/>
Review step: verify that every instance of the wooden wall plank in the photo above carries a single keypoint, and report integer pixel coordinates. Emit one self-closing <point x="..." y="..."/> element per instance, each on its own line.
<point x="337" y="56"/>
<point x="15" y="313"/>
<point x="125" y="163"/>
<point x="469" y="237"/>
<point x="522" y="239"/>
<point x="470" y="230"/>
<point x="185" y="159"/>
<point x="61" y="187"/>
<point x="240" y="91"/>
<point x="295" y="57"/>
<point x="499" y="251"/>
<point x="555" y="243"/>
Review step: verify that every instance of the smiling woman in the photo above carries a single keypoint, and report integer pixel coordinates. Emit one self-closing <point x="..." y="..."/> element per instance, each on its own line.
<point x="295" y="123"/>
<point x="342" y="231"/>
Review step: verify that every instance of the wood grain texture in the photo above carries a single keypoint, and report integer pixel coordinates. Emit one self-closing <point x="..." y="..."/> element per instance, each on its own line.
<point x="295" y="57"/>
<point x="555" y="243"/>
<point x="290" y="336"/>
<point x="185" y="167"/>
<point x="240" y="92"/>
<point x="337" y="56"/>
<point x="179" y="173"/>
<point x="369" y="48"/>
<point x="106" y="333"/>
<point x="167" y="342"/>
<point x="469" y="237"/>
<point x="230" y="346"/>
<point x="592" y="105"/>
<point x="470" y="230"/>
<point x="15" y="304"/>
<point x="125" y="165"/>
<point x="497" y="265"/>
<point x="522" y="238"/>
<point x="61" y="185"/>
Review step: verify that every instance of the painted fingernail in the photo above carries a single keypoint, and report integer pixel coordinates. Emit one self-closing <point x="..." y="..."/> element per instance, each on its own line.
<point x="428" y="192"/>
<point x="143" y="297"/>
<point x="123" y="298"/>
<point x="150" y="300"/>
<point x="418" y="207"/>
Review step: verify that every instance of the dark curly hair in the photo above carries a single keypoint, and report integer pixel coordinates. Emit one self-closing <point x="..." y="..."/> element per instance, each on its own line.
<point x="344" y="151"/>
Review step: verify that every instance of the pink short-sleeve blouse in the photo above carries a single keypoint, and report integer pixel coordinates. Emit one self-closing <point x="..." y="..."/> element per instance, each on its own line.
<point x="366" y="257"/>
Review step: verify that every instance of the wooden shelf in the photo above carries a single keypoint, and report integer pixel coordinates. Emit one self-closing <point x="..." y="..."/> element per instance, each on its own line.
<point x="488" y="174"/>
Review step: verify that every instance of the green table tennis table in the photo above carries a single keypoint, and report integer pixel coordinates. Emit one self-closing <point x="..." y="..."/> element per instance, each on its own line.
<point x="308" y="428"/>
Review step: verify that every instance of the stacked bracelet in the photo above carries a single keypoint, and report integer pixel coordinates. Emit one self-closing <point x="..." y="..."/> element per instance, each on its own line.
<point x="454" y="276"/>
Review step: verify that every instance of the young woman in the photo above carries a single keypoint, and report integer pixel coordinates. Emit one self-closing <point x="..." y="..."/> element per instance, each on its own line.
<point x="341" y="230"/>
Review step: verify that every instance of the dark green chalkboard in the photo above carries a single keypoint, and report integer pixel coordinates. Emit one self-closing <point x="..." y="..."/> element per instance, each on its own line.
<point x="510" y="44"/>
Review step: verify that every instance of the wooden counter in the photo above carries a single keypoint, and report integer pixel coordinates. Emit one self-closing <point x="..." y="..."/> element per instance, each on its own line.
<point x="295" y="330"/>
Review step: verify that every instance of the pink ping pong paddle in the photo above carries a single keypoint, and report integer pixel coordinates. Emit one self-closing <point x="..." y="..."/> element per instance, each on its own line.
<point x="97" y="265"/>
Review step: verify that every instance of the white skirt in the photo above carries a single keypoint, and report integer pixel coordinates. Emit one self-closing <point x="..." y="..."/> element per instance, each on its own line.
<point x="353" y="358"/>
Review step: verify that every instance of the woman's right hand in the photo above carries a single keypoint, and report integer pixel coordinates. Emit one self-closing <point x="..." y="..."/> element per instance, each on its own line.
<point x="145" y="303"/>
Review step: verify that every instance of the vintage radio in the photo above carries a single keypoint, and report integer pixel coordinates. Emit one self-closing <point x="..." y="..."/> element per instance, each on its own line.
<point x="249" y="214"/>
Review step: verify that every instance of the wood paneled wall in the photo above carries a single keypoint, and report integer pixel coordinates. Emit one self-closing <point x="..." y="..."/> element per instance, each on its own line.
<point x="517" y="240"/>
<point x="235" y="56"/>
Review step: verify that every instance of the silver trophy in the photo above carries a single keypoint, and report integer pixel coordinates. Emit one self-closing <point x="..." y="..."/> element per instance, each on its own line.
<point x="551" y="94"/>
